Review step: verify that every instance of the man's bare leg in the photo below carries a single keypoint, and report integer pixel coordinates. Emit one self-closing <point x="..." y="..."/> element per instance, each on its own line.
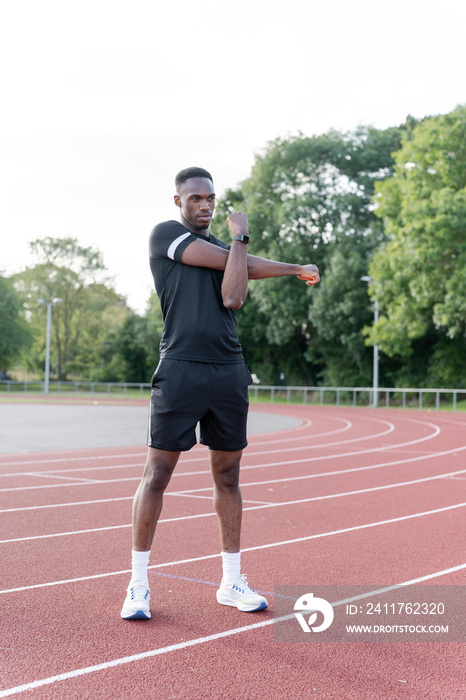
<point x="228" y="503"/>
<point x="234" y="589"/>
<point x="147" y="504"/>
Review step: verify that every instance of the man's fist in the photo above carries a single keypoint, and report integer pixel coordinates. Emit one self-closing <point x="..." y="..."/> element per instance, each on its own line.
<point x="238" y="222"/>
<point x="310" y="273"/>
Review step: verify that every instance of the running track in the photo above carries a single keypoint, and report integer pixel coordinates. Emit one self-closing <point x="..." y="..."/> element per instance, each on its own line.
<point x="350" y="496"/>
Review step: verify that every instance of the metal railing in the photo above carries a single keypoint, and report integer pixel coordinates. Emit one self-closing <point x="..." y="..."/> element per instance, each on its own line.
<point x="343" y="395"/>
<point x="361" y="395"/>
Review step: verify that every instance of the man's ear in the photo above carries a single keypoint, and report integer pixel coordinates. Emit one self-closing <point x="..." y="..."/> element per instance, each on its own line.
<point x="177" y="200"/>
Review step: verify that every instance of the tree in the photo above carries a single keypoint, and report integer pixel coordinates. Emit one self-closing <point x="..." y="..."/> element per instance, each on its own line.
<point x="101" y="320"/>
<point x="308" y="198"/>
<point x="154" y="331"/>
<point x="339" y="311"/>
<point x="420" y="273"/>
<point x="15" y="333"/>
<point x="77" y="276"/>
<point x="126" y="348"/>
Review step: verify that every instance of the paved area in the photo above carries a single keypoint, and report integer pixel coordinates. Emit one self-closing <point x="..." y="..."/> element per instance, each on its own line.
<point x="45" y="427"/>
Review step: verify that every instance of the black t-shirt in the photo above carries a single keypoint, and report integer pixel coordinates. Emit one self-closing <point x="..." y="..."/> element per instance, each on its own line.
<point x="197" y="326"/>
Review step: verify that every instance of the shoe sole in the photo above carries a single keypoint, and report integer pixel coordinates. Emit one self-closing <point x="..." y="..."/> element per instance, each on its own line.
<point x="241" y="606"/>
<point x="138" y="615"/>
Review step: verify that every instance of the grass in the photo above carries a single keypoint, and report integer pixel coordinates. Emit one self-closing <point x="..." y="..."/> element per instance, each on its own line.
<point x="74" y="397"/>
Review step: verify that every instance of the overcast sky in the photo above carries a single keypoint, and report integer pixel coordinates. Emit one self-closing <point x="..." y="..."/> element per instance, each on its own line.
<point x="103" y="102"/>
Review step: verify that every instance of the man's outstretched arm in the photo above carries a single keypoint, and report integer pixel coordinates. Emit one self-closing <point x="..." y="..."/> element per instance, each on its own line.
<point x="202" y="254"/>
<point x="262" y="268"/>
<point x="243" y="266"/>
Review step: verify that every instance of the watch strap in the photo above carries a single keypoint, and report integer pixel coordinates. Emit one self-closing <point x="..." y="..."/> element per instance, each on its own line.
<point x="243" y="237"/>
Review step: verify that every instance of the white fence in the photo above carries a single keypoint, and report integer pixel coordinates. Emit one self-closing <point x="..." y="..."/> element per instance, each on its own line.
<point x="360" y="395"/>
<point x="335" y="395"/>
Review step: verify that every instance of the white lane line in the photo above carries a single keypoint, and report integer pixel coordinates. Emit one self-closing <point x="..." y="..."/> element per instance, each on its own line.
<point x="86" y="670"/>
<point x="309" y="459"/>
<point x="349" y="424"/>
<point x="320" y="458"/>
<point x="338" y="472"/>
<point x="188" y="492"/>
<point x="212" y="513"/>
<point x="305" y="423"/>
<point x="297" y="540"/>
<point x="69" y="485"/>
<point x="87" y="457"/>
<point x="252" y="454"/>
<point x="67" y="505"/>
<point x="77" y="479"/>
<point x="264" y="503"/>
<point x="390" y="429"/>
<point x="198" y="448"/>
<point x="209" y="498"/>
<point x="70" y="533"/>
<point x="203" y="458"/>
<point x="447" y="476"/>
<point x="100" y="468"/>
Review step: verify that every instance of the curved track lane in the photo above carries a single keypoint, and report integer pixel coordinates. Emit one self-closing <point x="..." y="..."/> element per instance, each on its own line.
<point x="349" y="496"/>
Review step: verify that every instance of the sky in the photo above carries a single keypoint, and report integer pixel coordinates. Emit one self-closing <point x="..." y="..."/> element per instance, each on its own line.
<point x="103" y="102"/>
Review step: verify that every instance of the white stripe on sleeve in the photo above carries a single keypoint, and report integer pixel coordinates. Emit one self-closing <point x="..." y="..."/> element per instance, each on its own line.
<point x="174" y="245"/>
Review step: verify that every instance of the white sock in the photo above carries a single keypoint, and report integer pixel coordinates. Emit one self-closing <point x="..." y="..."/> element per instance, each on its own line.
<point x="231" y="564"/>
<point x="139" y="563"/>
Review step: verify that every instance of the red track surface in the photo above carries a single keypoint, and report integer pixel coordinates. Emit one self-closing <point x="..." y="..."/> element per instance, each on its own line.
<point x="351" y="496"/>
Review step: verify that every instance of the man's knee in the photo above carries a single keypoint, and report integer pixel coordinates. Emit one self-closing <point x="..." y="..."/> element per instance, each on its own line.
<point x="159" y="469"/>
<point x="225" y="469"/>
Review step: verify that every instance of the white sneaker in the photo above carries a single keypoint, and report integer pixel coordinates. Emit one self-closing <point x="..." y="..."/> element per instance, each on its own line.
<point x="240" y="595"/>
<point x="136" y="605"/>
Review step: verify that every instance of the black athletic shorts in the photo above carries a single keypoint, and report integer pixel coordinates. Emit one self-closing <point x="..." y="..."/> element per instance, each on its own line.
<point x="187" y="393"/>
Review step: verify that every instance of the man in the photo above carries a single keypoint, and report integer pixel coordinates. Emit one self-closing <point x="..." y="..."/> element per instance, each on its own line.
<point x="201" y="377"/>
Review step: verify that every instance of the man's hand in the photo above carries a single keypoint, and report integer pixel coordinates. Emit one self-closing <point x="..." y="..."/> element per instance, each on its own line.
<point x="310" y="273"/>
<point x="238" y="223"/>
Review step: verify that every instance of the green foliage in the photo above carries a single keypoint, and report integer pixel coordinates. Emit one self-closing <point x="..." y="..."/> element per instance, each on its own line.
<point x="132" y="349"/>
<point x="309" y="199"/>
<point x="74" y="274"/>
<point x="15" y="335"/>
<point x="94" y="334"/>
<point x="96" y="356"/>
<point x="125" y="347"/>
<point x="154" y="331"/>
<point x="340" y="309"/>
<point x="420" y="274"/>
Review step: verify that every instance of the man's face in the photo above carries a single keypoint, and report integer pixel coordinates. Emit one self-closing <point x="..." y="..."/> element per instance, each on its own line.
<point x="196" y="201"/>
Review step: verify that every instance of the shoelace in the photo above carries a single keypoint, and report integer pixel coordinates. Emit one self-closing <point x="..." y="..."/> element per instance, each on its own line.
<point x="136" y="593"/>
<point x="247" y="587"/>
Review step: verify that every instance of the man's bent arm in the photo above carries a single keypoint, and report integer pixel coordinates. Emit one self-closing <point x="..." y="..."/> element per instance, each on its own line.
<point x="235" y="276"/>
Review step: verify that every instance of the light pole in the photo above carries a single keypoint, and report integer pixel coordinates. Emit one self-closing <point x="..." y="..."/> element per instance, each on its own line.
<point x="375" y="371"/>
<point x="49" y="305"/>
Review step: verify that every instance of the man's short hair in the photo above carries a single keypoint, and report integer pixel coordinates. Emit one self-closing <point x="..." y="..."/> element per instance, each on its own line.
<point x="189" y="173"/>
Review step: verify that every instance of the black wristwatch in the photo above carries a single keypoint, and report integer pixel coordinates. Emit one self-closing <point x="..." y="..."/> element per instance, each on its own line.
<point x="243" y="237"/>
